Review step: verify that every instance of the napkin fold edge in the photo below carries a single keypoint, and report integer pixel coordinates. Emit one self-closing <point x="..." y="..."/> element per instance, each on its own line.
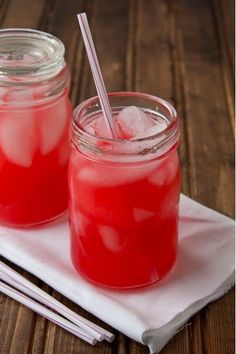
<point x="157" y="338"/>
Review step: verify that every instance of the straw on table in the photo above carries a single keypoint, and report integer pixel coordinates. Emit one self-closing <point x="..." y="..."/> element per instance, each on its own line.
<point x="18" y="281"/>
<point x="45" y="312"/>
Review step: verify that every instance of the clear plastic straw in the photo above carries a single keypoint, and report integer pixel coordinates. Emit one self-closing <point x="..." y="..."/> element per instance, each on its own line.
<point x="97" y="75"/>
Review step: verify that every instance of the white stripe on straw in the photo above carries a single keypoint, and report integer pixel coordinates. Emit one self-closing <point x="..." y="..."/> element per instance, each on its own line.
<point x="97" y="75"/>
<point x="18" y="281"/>
<point x="62" y="322"/>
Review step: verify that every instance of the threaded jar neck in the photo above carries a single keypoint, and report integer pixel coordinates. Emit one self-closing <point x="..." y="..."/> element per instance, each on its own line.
<point x="125" y="150"/>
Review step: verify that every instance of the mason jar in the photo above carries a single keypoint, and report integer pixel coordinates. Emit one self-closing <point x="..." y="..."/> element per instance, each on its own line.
<point x="124" y="195"/>
<point x="34" y="117"/>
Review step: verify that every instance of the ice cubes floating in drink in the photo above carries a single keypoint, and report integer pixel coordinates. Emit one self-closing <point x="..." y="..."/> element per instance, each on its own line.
<point x="123" y="218"/>
<point x="26" y="130"/>
<point x="132" y="123"/>
<point x="34" y="151"/>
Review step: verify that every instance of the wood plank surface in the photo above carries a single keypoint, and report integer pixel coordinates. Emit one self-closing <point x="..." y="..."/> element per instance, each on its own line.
<point x="224" y="19"/>
<point x="211" y="159"/>
<point x="183" y="51"/>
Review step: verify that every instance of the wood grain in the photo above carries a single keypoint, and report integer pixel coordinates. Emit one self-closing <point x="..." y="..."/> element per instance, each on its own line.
<point x="227" y="10"/>
<point x="24" y="13"/>
<point x="225" y="31"/>
<point x="160" y="76"/>
<point x="210" y="147"/>
<point x="64" y="25"/>
<point x="109" y="33"/>
<point x="154" y="73"/>
<point x="16" y="324"/>
<point x="183" y="51"/>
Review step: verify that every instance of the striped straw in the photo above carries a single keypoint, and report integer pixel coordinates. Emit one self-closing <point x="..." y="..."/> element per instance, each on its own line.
<point x="97" y="75"/>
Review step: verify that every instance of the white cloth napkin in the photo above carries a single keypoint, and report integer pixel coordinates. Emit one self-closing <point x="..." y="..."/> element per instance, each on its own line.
<point x="151" y="315"/>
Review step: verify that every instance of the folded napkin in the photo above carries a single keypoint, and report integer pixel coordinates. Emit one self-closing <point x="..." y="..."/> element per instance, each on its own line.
<point x="151" y="315"/>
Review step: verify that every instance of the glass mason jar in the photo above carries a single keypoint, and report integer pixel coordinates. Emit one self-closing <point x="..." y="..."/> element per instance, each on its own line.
<point x="124" y="196"/>
<point x="34" y="117"/>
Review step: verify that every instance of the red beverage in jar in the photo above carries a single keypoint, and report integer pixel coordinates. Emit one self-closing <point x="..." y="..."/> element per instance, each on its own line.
<point x="34" y="116"/>
<point x="124" y="194"/>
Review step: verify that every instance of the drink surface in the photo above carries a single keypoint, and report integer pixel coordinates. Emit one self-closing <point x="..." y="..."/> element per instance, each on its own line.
<point x="34" y="151"/>
<point x="123" y="217"/>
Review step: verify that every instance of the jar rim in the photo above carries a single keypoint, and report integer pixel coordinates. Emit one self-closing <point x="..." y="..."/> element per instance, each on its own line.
<point x="88" y="101"/>
<point x="29" y="53"/>
<point x="169" y="135"/>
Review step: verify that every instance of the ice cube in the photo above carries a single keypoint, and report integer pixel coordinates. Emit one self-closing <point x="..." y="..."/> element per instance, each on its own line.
<point x="82" y="222"/>
<point x="98" y="176"/>
<point x="111" y="238"/>
<point x="132" y="121"/>
<point x="158" y="177"/>
<point x="17" y="136"/>
<point x="52" y="122"/>
<point x="101" y="129"/>
<point x="117" y="176"/>
<point x="169" y="203"/>
<point x="142" y="214"/>
<point x="90" y="130"/>
<point x="166" y="172"/>
<point x="88" y="175"/>
<point x="159" y="127"/>
<point x="64" y="153"/>
<point x="98" y="128"/>
<point x="101" y="178"/>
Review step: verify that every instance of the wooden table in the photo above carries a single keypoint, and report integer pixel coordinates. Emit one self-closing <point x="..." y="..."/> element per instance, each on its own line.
<point x="183" y="52"/>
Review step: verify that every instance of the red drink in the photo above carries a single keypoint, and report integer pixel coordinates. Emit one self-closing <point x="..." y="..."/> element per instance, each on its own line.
<point x="34" y="116"/>
<point x="124" y="211"/>
<point x="33" y="161"/>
